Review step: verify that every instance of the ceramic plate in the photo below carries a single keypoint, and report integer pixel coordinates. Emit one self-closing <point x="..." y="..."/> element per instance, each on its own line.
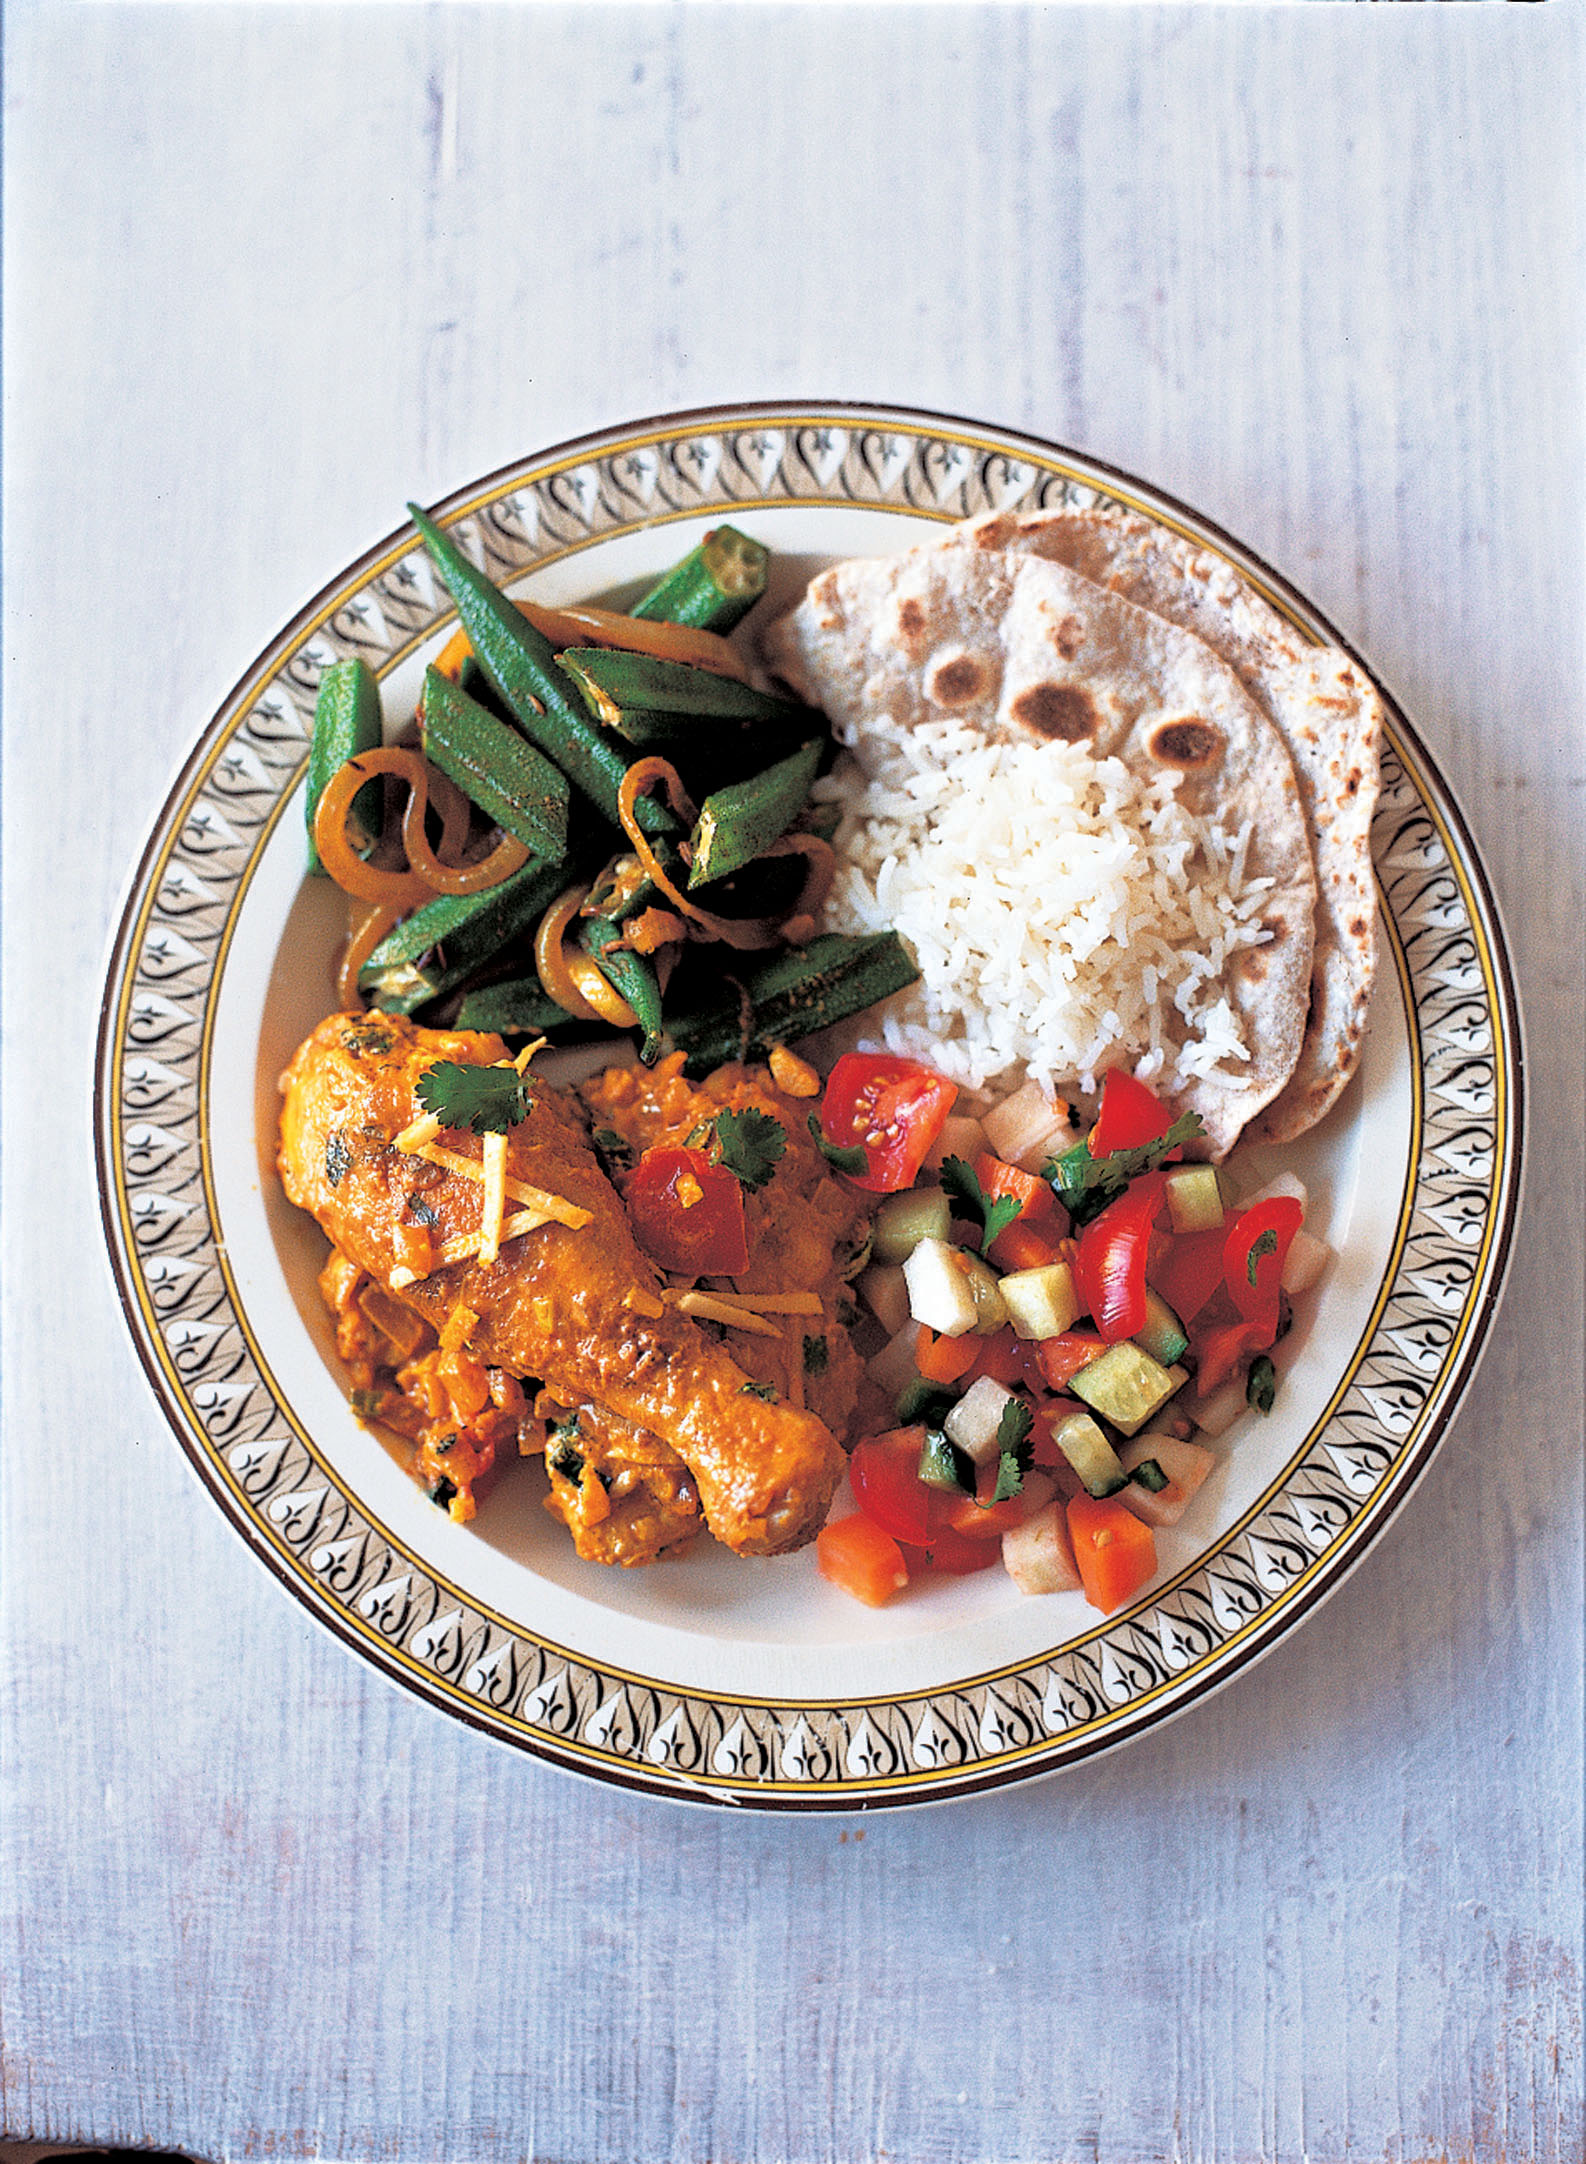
<point x="754" y="1683"/>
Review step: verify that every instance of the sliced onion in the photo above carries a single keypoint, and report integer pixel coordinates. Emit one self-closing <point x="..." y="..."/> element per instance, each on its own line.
<point x="746" y="934"/>
<point x="581" y="626"/>
<point x="365" y="930"/>
<point x="573" y="980"/>
<point x="365" y="882"/>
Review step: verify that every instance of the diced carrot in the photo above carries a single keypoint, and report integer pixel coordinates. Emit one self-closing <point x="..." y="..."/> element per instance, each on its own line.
<point x="1006" y="1361"/>
<point x="856" y="1556"/>
<point x="944" y="1359"/>
<point x="1025" y="1247"/>
<point x="1062" y="1357"/>
<point x="1115" y="1554"/>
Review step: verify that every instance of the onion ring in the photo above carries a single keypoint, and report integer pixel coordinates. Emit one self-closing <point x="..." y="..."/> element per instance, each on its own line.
<point x="746" y="934"/>
<point x="573" y="980"/>
<point x="365" y="930"/>
<point x="582" y="626"/>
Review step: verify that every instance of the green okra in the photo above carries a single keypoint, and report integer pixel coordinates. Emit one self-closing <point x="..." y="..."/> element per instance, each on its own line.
<point x="714" y="587"/>
<point x="739" y="823"/>
<point x="520" y="662"/>
<point x="346" y="722"/>
<point x="788" y="997"/>
<point x="510" y="781"/>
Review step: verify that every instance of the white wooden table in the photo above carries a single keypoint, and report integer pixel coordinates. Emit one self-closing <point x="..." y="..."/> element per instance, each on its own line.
<point x="271" y="271"/>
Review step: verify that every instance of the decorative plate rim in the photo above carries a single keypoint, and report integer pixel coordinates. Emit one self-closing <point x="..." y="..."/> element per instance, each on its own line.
<point x="852" y="1752"/>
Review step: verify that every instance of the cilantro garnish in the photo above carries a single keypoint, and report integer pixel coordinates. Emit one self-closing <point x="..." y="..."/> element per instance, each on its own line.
<point x="997" y="1212"/>
<point x="1264" y="1243"/>
<point x="750" y="1144"/>
<point x="338" y="1157"/>
<point x="816" y="1356"/>
<point x="1013" y="1449"/>
<point x="1261" y="1384"/>
<point x="420" y="1211"/>
<point x="838" y="1155"/>
<point x="766" y="1392"/>
<point x="1086" y="1184"/>
<point x="488" y="1100"/>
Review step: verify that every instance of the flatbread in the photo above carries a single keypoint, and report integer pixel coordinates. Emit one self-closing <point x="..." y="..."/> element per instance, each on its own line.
<point x="1016" y="645"/>
<point x="1329" y="716"/>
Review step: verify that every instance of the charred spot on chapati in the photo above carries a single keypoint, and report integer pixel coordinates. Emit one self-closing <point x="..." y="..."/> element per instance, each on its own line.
<point x="1062" y="713"/>
<point x="1187" y="742"/>
<point x="956" y="678"/>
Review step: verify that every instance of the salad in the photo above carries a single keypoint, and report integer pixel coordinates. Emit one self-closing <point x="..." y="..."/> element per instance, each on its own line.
<point x="1065" y="1318"/>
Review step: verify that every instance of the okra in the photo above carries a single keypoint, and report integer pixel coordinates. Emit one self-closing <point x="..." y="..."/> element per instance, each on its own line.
<point x="443" y="943"/>
<point x="521" y="664"/>
<point x="509" y="780"/>
<point x="631" y="975"/>
<point x="714" y="587"/>
<point x="614" y="683"/>
<point x="805" y="989"/>
<point x="346" y="721"/>
<point x="739" y="823"/>
<point x="518" y="1006"/>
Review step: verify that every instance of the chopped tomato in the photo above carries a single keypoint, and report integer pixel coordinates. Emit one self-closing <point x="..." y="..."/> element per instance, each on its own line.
<point x="949" y="1555"/>
<point x="944" y="1359"/>
<point x="884" y="1471"/>
<point x="1062" y="1357"/>
<point x="1114" y="1551"/>
<point x="1037" y="1233"/>
<point x="1190" y="1271"/>
<point x="854" y="1554"/>
<point x="1110" y="1268"/>
<point x="1219" y="1348"/>
<point x="1254" y="1249"/>
<point x="894" y="1109"/>
<point x="1129" y="1116"/>
<point x="687" y="1213"/>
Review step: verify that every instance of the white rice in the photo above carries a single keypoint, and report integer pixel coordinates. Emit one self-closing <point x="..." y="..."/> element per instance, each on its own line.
<point x="1066" y="914"/>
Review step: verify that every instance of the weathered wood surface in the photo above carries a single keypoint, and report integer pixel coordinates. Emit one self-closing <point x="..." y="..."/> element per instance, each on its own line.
<point x="272" y="270"/>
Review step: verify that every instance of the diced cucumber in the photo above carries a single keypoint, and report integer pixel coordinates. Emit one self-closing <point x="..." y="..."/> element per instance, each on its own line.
<point x="1126" y="1386"/>
<point x="1039" y="1556"/>
<point x="1042" y="1303"/>
<point x="974" y="1422"/>
<point x="919" y="1400"/>
<point x="1090" y="1454"/>
<point x="943" y="1465"/>
<point x="903" y="1221"/>
<point x="1194" y="1198"/>
<point x="1164" y="1336"/>
<point x="885" y="1292"/>
<point x="1184" y="1465"/>
<point x="893" y="1367"/>
<point x="1028" y="1127"/>
<point x="939" y="1294"/>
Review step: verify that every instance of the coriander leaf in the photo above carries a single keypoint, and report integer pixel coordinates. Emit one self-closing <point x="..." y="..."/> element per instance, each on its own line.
<point x="1009" y="1479"/>
<point x="338" y="1157"/>
<point x="816" y="1356"/>
<point x="612" y="1149"/>
<point x="488" y="1100"/>
<point x="1264" y="1243"/>
<point x="1013" y="1449"/>
<point x="1087" y="1184"/>
<point x="996" y="1212"/>
<point x="420" y="1211"/>
<point x="365" y="1403"/>
<point x="1261" y="1384"/>
<point x="750" y="1144"/>
<point x="766" y="1392"/>
<point x="835" y="1154"/>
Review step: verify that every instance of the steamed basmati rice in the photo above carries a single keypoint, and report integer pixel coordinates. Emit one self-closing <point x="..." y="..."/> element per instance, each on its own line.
<point x="1066" y="914"/>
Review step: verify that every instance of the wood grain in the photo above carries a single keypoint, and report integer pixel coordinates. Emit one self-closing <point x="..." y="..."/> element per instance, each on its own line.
<point x="271" y="271"/>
